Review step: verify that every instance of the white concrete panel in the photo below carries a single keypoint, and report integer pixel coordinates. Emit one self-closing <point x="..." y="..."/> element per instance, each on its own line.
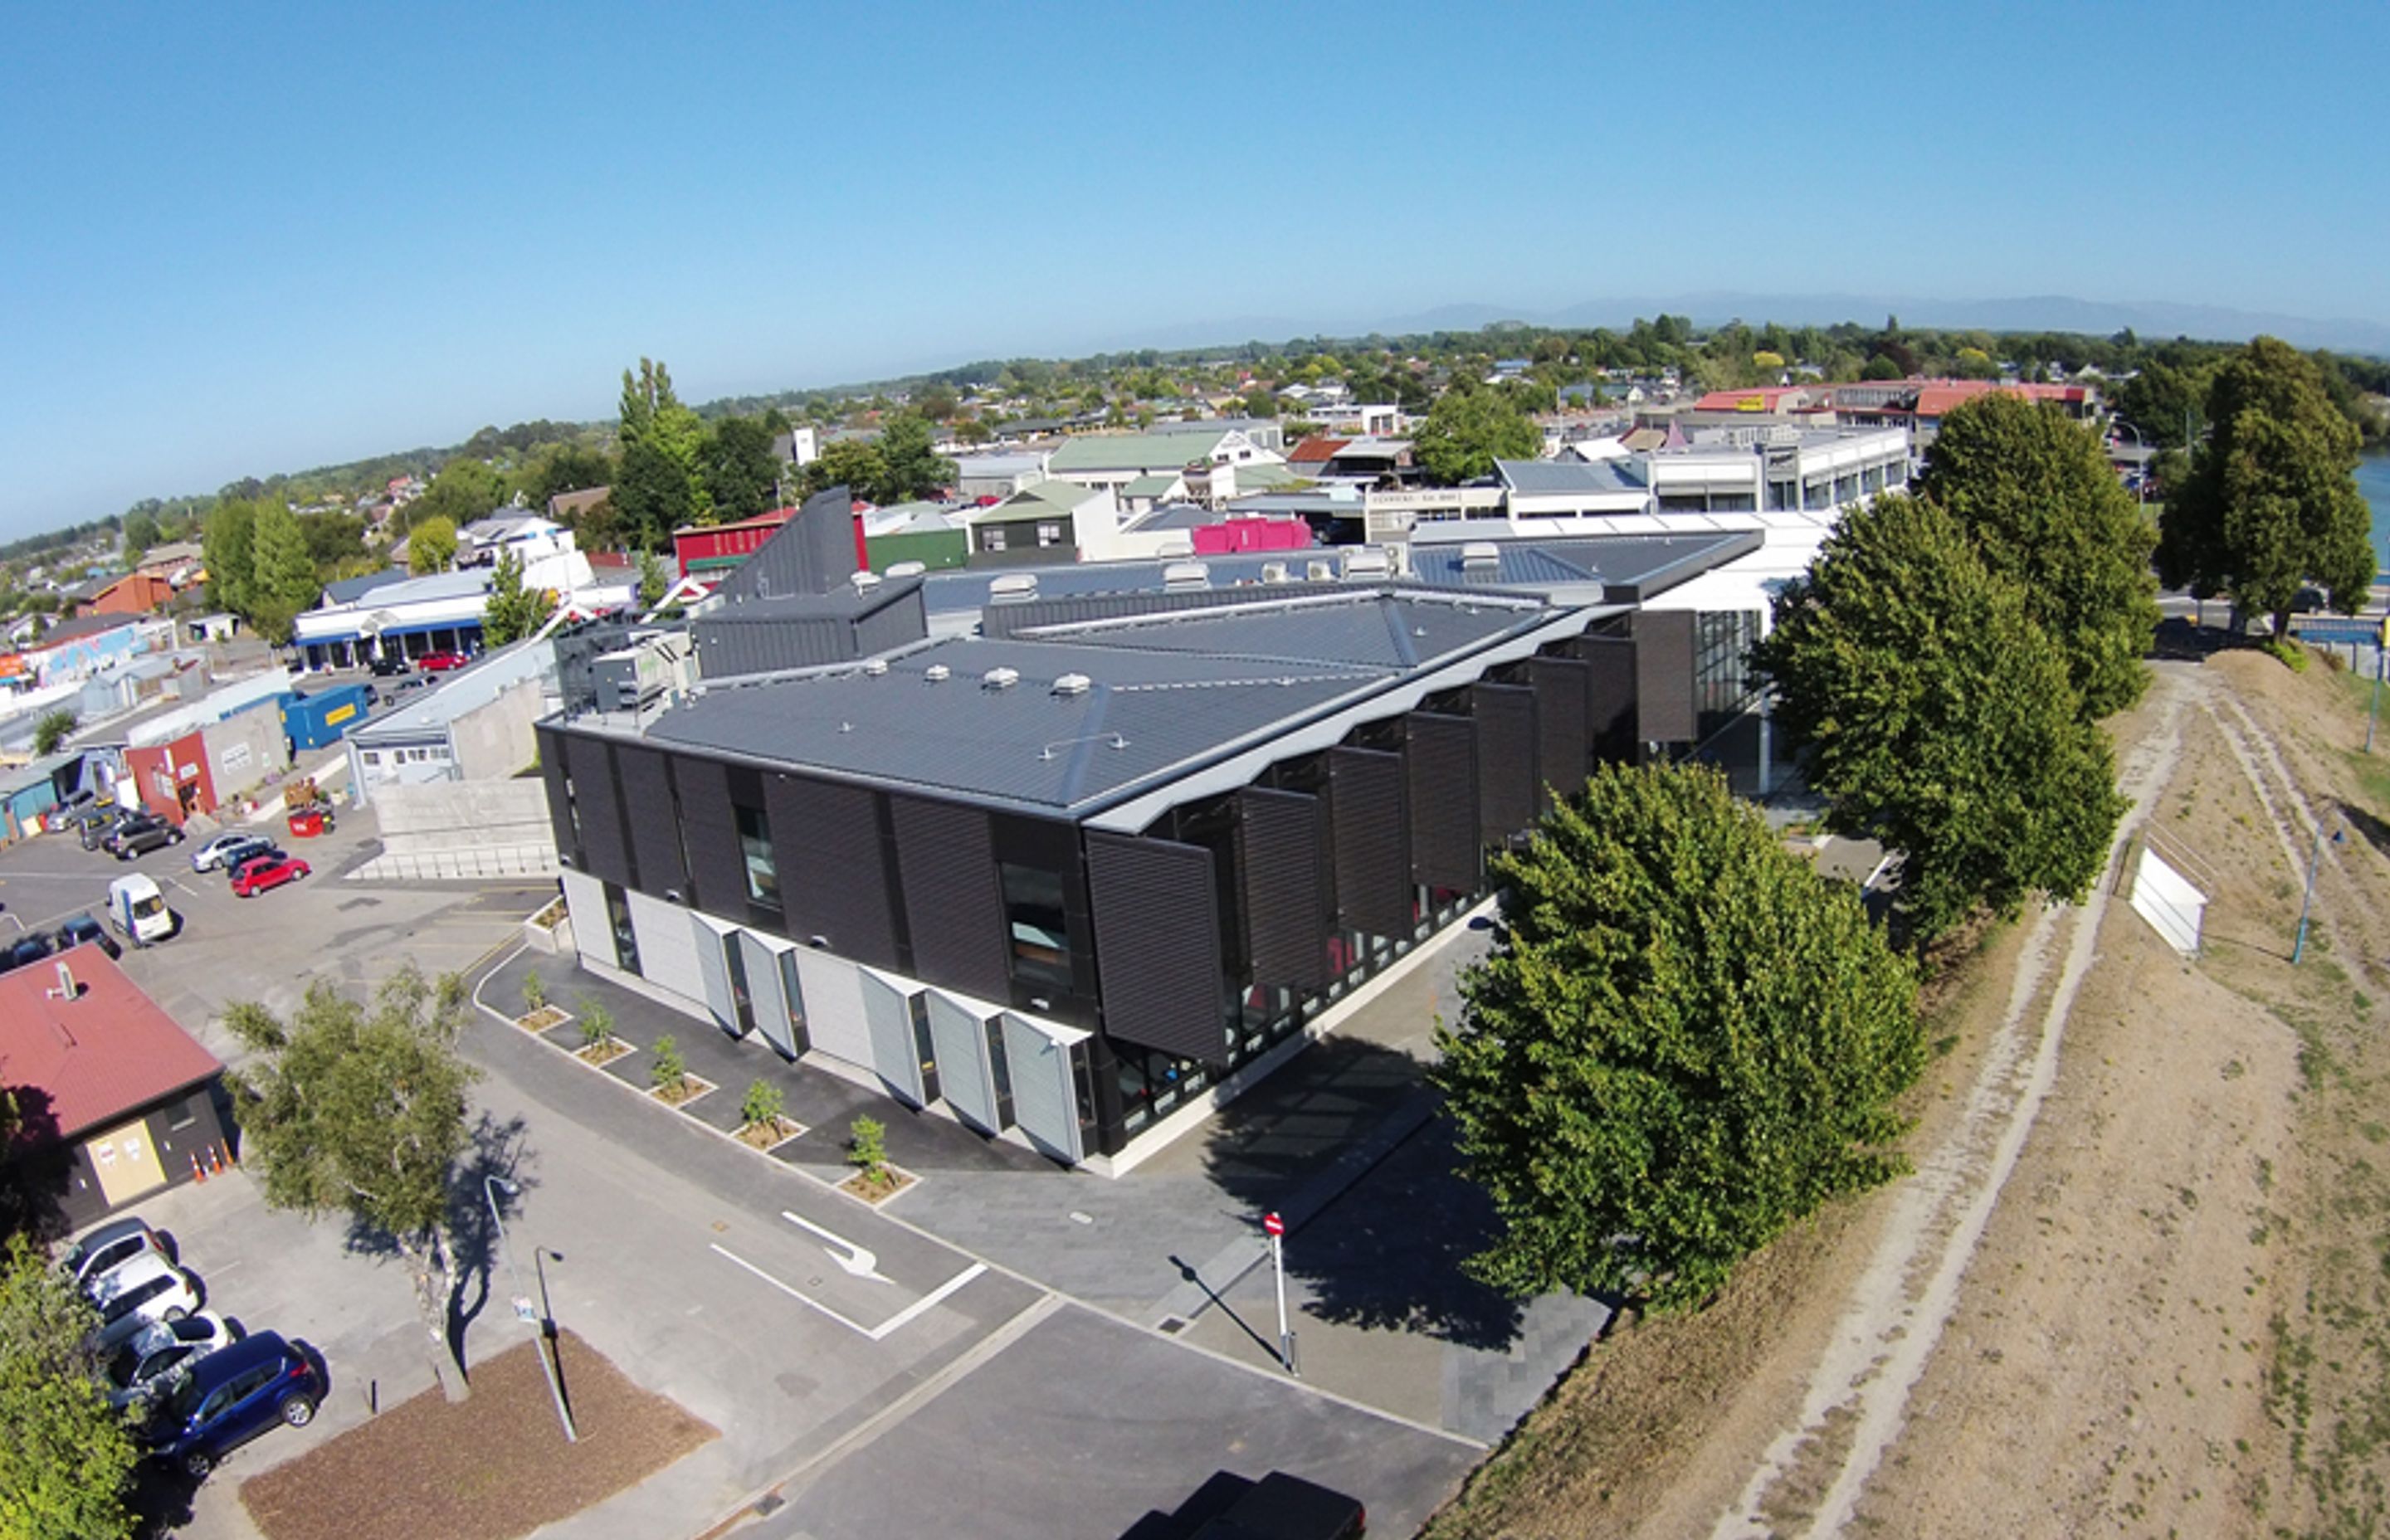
<point x="896" y="1056"/>
<point x="667" y="946"/>
<point x="833" y="991"/>
<point x="711" y="935"/>
<point x="584" y="900"/>
<point x="764" y="994"/>
<point x="959" y="1036"/>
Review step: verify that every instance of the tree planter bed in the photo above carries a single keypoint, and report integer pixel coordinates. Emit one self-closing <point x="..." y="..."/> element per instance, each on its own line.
<point x="770" y="1135"/>
<point x="686" y="1094"/>
<point x="597" y="1055"/>
<point x="876" y="1190"/>
<point x="544" y="1018"/>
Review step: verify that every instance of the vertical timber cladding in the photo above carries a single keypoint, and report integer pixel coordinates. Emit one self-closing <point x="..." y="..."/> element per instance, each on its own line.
<point x="832" y="866"/>
<point x="1281" y="858"/>
<point x="655" y="827"/>
<point x="1440" y="773"/>
<point x="552" y="773"/>
<point x="1610" y="696"/>
<point x="1664" y="677"/>
<point x="708" y="829"/>
<point x="953" y="910"/>
<point x="1563" y="726"/>
<point x="590" y="762"/>
<point x="1508" y="782"/>
<point x="1373" y="850"/>
<point x="1157" y="944"/>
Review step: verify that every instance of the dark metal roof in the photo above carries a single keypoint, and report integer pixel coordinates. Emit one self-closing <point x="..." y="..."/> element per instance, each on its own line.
<point x="846" y="602"/>
<point x="1543" y="478"/>
<point x="1164" y="695"/>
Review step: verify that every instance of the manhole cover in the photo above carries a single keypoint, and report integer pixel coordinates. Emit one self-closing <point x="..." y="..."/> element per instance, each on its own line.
<point x="1173" y="1325"/>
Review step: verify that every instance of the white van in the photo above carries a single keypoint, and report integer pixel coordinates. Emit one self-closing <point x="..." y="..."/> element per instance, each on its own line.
<point x="137" y="909"/>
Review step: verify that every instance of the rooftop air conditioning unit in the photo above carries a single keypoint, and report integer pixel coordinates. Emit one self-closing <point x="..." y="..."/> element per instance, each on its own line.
<point x="1072" y="683"/>
<point x="875" y="666"/>
<point x="1186" y="575"/>
<point x="1180" y="546"/>
<point x="1013" y="588"/>
<point x="1366" y="564"/>
<point x="999" y="678"/>
<point x="907" y="569"/>
<point x="1273" y="571"/>
<point x="937" y="673"/>
<point x="1479" y="554"/>
<point x="1319" y="572"/>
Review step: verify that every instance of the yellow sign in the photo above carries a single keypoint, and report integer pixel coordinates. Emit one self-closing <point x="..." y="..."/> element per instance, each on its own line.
<point x="333" y="719"/>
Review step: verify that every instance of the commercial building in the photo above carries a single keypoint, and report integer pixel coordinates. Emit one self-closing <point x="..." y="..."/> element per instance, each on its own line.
<point x="117" y="1100"/>
<point x="476" y="726"/>
<point x="1075" y="879"/>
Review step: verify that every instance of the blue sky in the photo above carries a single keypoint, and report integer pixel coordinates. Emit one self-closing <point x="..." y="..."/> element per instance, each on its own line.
<point x="240" y="239"/>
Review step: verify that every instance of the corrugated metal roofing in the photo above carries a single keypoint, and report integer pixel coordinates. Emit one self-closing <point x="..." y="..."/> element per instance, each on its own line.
<point x="1559" y="478"/>
<point x="1134" y="451"/>
<point x="100" y="1055"/>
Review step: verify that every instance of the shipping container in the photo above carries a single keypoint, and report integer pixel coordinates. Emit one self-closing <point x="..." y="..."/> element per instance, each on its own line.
<point x="314" y="721"/>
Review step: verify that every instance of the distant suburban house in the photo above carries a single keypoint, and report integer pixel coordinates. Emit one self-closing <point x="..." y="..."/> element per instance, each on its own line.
<point x="1111" y="461"/>
<point x="567" y="506"/>
<point x="1055" y="520"/>
<point x="134" y="594"/>
<point x="117" y="1101"/>
<point x="175" y="557"/>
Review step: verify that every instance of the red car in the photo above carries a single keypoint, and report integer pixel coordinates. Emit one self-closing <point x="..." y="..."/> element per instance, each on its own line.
<point x="440" y="663"/>
<point x="266" y="872"/>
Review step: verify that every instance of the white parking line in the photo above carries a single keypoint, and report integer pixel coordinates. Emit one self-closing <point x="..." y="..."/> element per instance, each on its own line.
<point x="903" y="1318"/>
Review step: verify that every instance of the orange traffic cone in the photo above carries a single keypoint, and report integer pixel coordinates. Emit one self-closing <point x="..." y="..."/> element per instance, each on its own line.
<point x="215" y="1166"/>
<point x="226" y="1146"/>
<point x="198" y="1174"/>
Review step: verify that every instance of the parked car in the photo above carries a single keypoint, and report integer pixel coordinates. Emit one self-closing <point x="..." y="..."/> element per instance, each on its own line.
<point x="137" y="821"/>
<point x="265" y="851"/>
<point x="231" y="1397"/>
<point x="137" y="908"/>
<point x="387" y="668"/>
<point x="226" y="851"/>
<point x="82" y="929"/>
<point x="440" y="663"/>
<point x="99" y="824"/>
<point x="142" y="841"/>
<point x="146" y="1289"/>
<point x="28" y="949"/>
<point x="154" y="1358"/>
<point x="107" y="1248"/>
<point x="265" y="873"/>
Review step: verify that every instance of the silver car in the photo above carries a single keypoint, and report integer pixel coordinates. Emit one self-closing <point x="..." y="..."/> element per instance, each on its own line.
<point x="90" y="1260"/>
<point x="225" y="851"/>
<point x="140" y="1293"/>
<point x="156" y="1357"/>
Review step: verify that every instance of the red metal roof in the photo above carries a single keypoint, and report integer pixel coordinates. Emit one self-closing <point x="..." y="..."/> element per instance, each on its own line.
<point x="1316" y="451"/>
<point x="761" y="522"/>
<point x="97" y="1056"/>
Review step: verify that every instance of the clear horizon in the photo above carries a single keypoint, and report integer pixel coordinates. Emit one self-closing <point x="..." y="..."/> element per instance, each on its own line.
<point x="253" y="240"/>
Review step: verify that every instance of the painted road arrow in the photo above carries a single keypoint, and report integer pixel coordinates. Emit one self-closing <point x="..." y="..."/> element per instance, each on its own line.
<point x="860" y="1260"/>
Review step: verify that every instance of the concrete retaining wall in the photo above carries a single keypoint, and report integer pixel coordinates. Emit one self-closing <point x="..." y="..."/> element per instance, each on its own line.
<point x="463" y="830"/>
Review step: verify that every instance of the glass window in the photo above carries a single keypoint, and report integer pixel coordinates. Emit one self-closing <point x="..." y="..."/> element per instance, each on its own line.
<point x="1049" y="534"/>
<point x="756" y="844"/>
<point x="924" y="1044"/>
<point x="991" y="538"/>
<point x="626" y="940"/>
<point x="794" y="993"/>
<point x="1001" y="1069"/>
<point x="734" y="962"/>
<point x="1036" y="932"/>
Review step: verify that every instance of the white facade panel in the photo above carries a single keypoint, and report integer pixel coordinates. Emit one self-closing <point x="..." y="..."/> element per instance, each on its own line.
<point x="711" y="937"/>
<point x="764" y="994"/>
<point x="667" y="946"/>
<point x="895" y="1058"/>
<point x="1043" y="1105"/>
<point x="584" y="900"/>
<point x="959" y="1036"/>
<point x="833" y="992"/>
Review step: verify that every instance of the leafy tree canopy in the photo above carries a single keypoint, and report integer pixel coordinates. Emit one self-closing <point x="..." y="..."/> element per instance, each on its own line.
<point x="2271" y="501"/>
<point x="909" y="466"/>
<point x="431" y="546"/>
<point x="741" y="474"/>
<point x="465" y="490"/>
<point x="283" y="580"/>
<point x="1467" y="430"/>
<point x="513" y="612"/>
<point x="51" y="732"/>
<point x="66" y="1457"/>
<point x="1684" y="1041"/>
<point x="2035" y="491"/>
<point x="1939" y="718"/>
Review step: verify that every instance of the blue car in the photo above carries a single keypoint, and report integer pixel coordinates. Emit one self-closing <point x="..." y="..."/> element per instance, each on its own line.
<point x="229" y="1397"/>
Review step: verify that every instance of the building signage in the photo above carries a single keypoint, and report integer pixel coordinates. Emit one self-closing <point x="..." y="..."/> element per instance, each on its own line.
<point x="186" y="772"/>
<point x="235" y="755"/>
<point x="334" y="718"/>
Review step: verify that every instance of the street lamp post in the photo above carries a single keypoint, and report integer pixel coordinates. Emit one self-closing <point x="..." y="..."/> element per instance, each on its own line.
<point x="2142" y="481"/>
<point x="491" y="1187"/>
<point x="2315" y="856"/>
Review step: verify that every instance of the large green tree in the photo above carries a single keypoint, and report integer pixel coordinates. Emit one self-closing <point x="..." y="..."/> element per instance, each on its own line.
<point x="2271" y="501"/>
<point x="65" y="1457"/>
<point x="283" y="579"/>
<point x="1939" y="718"/>
<point x="513" y="610"/>
<point x="431" y="546"/>
<point x="852" y="463"/>
<point x="1467" y="430"/>
<point x="659" y="486"/>
<point x="1684" y="1040"/>
<point x="2045" y="508"/>
<point x="909" y="466"/>
<point x="227" y="545"/>
<point x="361" y="1112"/>
<point x="465" y="488"/>
<point x="741" y="473"/>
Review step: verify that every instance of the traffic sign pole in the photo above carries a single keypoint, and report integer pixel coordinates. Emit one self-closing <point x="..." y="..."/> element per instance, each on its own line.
<point x="1275" y="1228"/>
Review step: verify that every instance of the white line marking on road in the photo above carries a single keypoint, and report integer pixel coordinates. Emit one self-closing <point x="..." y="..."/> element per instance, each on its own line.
<point x="793" y="1292"/>
<point x="933" y="1297"/>
<point x="860" y="1260"/>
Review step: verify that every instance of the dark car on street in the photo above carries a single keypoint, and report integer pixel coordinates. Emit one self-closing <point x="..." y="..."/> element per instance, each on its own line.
<point x="229" y="1397"/>
<point x="83" y="928"/>
<point x="98" y="823"/>
<point x="26" y="950"/>
<point x="387" y="668"/>
<point x="141" y="841"/>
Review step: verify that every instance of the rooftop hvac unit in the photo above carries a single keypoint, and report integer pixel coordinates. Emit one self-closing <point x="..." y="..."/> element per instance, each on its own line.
<point x="1175" y="546"/>
<point x="1368" y="564"/>
<point x="1072" y="683"/>
<point x="1273" y="571"/>
<point x="1319" y="572"/>
<point x="1186" y="575"/>
<point x="864" y="581"/>
<point x="1013" y="588"/>
<point x="875" y="666"/>
<point x="907" y="569"/>
<point x="937" y="673"/>
<point x="999" y="678"/>
<point x="1481" y="554"/>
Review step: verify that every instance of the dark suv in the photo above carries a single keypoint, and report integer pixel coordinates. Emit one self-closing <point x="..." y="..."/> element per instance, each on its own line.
<point x="231" y="1397"/>
<point x="129" y="842"/>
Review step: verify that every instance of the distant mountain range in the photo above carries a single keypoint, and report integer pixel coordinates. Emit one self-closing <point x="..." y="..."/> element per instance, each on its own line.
<point x="2038" y="312"/>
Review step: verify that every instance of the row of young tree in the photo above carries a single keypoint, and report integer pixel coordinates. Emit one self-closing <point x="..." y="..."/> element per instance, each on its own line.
<point x="1685" y="1039"/>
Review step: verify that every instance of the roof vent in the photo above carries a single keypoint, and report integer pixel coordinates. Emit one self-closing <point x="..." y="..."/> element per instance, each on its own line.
<point x="1013" y="588"/>
<point x="999" y="678"/>
<point x="1186" y="575"/>
<point x="1366" y="563"/>
<point x="937" y="673"/>
<point x="68" y="989"/>
<point x="1479" y="554"/>
<point x="1273" y="571"/>
<point x="875" y="666"/>
<point x="1072" y="683"/>
<point x="864" y="581"/>
<point x="1176" y="545"/>
<point x="907" y="569"/>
